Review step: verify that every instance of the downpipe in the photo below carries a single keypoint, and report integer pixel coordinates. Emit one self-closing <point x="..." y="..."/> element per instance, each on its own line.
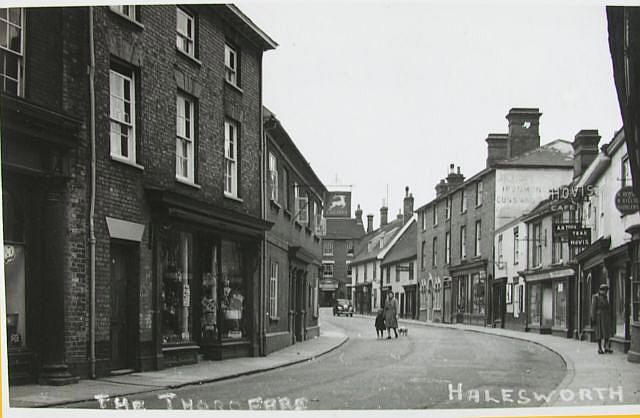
<point x="262" y="338"/>
<point x="92" y="236"/>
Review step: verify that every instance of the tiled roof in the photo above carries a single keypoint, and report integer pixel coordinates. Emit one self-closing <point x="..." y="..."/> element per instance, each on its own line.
<point x="558" y="153"/>
<point x="343" y="228"/>
<point x="405" y="247"/>
<point x="387" y="232"/>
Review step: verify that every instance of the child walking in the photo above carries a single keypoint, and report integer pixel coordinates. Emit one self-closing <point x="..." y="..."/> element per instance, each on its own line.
<point x="380" y="327"/>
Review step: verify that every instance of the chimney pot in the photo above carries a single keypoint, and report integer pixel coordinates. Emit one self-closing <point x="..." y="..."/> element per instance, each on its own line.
<point x="524" y="126"/>
<point x="384" y="211"/>
<point x="585" y="150"/>
<point x="369" y="223"/>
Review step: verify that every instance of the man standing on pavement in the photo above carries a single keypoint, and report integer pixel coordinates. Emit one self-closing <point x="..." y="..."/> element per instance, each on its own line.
<point x="390" y="315"/>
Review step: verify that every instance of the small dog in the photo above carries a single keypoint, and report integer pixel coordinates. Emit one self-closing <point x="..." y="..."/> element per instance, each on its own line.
<point x="403" y="331"/>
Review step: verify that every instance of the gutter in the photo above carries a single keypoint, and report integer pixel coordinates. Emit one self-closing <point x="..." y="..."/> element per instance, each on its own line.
<point x="92" y="210"/>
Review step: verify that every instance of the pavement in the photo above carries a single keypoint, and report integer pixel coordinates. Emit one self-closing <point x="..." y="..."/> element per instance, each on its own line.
<point x="205" y="371"/>
<point x="587" y="371"/>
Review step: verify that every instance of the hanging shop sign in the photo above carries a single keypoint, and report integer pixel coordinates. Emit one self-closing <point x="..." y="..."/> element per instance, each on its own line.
<point x="627" y="201"/>
<point x="580" y="238"/>
<point x="562" y="229"/>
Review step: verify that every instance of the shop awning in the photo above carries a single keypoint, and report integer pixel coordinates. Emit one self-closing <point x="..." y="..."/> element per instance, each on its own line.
<point x="328" y="284"/>
<point x="548" y="274"/>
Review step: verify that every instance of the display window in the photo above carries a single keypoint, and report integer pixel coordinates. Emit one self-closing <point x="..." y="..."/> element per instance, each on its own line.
<point x="209" y="294"/>
<point x="619" y="302"/>
<point x="177" y="282"/>
<point x="535" y="297"/>
<point x="560" y="304"/>
<point x="232" y="302"/>
<point x="14" y="274"/>
<point x="477" y="293"/>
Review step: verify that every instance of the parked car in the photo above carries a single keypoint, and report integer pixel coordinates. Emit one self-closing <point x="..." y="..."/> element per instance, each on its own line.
<point x="342" y="307"/>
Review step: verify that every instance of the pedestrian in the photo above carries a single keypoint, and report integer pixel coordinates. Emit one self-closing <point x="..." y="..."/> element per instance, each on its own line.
<point x="390" y="315"/>
<point x="601" y="319"/>
<point x="380" y="324"/>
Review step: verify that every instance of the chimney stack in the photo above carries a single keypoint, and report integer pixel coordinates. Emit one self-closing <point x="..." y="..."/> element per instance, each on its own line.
<point x="369" y="223"/>
<point x="384" y="211"/>
<point x="441" y="188"/>
<point x="408" y="205"/>
<point x="358" y="216"/>
<point x="524" y="130"/>
<point x="585" y="150"/>
<point x="497" y="148"/>
<point x="455" y="178"/>
<point x="400" y="216"/>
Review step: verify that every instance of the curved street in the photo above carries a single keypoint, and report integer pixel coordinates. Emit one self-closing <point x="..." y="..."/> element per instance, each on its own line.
<point x="430" y="368"/>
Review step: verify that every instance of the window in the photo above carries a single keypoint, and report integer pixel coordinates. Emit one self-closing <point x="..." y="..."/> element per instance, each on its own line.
<point x="411" y="271"/>
<point x="447" y="248"/>
<point x="477" y="251"/>
<point x="448" y="208"/>
<point x="536" y="248"/>
<point x="398" y="270"/>
<point x="500" y="250"/>
<point x="518" y="298"/>
<point x="185" y="139"/>
<point x="626" y="172"/>
<point x="516" y="246"/>
<point x="557" y="245"/>
<point x="122" y="115"/>
<point x="477" y="293"/>
<point x="327" y="247"/>
<point x="285" y="188"/>
<point x="509" y="293"/>
<point x="273" y="176"/>
<point x="273" y="290"/>
<point x="388" y="274"/>
<point x="434" y="254"/>
<point x="349" y="270"/>
<point x="423" y="255"/>
<point x="375" y="271"/>
<point x="349" y="248"/>
<point x="463" y="241"/>
<point x="463" y="201"/>
<point x="11" y="47"/>
<point x="535" y="299"/>
<point x="231" y="65"/>
<point x="185" y="37"/>
<point x="560" y="305"/>
<point x="424" y="220"/>
<point x="231" y="146"/>
<point x="366" y="272"/>
<point x="479" y="193"/>
<point x="435" y="214"/>
<point x="129" y="11"/>
<point x="327" y="270"/>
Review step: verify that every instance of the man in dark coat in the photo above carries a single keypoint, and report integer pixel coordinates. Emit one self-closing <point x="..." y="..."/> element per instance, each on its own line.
<point x="601" y="319"/>
<point x="390" y="315"/>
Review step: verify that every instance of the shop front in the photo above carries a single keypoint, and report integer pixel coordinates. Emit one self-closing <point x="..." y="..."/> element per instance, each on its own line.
<point x="363" y="298"/>
<point x="328" y="292"/>
<point x="410" y="303"/>
<point x="207" y="280"/>
<point x="617" y="264"/>
<point x="593" y="273"/>
<point x="549" y="301"/>
<point x="468" y="294"/>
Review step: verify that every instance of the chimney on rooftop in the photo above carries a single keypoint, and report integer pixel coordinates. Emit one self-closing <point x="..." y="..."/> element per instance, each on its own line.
<point x="454" y="178"/>
<point x="369" y="223"/>
<point x="358" y="216"/>
<point x="384" y="211"/>
<point x="408" y="205"/>
<point x="524" y="130"/>
<point x="585" y="150"/>
<point x="400" y="216"/>
<point x="441" y="188"/>
<point x="497" y="148"/>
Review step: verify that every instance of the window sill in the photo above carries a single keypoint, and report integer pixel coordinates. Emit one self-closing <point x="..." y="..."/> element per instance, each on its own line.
<point x="127" y="162"/>
<point x="275" y="205"/>
<point x="189" y="57"/>
<point x="188" y="183"/>
<point x="232" y="197"/>
<point x="233" y="86"/>
<point x="127" y="18"/>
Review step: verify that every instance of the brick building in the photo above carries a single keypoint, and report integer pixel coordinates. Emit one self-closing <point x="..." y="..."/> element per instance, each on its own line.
<point x="158" y="259"/>
<point x="456" y="229"/>
<point x="341" y="238"/>
<point x="293" y="245"/>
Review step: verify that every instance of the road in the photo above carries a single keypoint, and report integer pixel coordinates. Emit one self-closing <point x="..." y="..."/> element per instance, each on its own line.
<point x="429" y="368"/>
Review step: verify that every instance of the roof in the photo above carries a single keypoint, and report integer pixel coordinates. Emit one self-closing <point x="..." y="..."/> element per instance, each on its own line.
<point x="405" y="247"/>
<point x="234" y="15"/>
<point x="558" y="153"/>
<point x="386" y="233"/>
<point x="343" y="228"/>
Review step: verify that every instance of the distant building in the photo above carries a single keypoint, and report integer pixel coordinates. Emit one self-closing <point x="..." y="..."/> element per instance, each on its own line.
<point x="367" y="274"/>
<point x="456" y="229"/>
<point x="341" y="239"/>
<point x="293" y="259"/>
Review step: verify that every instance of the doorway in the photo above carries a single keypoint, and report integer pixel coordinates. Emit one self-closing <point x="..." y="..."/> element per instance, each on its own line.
<point x="123" y="303"/>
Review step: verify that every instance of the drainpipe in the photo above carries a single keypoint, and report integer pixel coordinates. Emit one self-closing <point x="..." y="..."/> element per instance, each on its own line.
<point x="92" y="236"/>
<point x="263" y="262"/>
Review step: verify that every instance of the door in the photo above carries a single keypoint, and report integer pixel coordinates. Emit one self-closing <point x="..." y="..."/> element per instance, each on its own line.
<point x="446" y="303"/>
<point x="403" y="313"/>
<point x="547" y="306"/>
<point x="120" y="307"/>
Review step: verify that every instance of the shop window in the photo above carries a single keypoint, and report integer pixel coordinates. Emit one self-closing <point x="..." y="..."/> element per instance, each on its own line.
<point x="14" y="273"/>
<point x="176" y="293"/>
<point x="210" y="289"/>
<point x="618" y="302"/>
<point x="517" y="299"/>
<point x="535" y="299"/>
<point x="11" y="48"/>
<point x="560" y="305"/>
<point x="233" y="292"/>
<point x="462" y="294"/>
<point x="477" y="293"/>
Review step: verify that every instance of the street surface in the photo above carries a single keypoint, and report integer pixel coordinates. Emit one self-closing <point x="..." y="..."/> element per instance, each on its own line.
<point x="429" y="368"/>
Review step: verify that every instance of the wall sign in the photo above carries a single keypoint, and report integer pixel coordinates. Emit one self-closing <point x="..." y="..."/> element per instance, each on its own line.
<point x="627" y="201"/>
<point x="338" y="205"/>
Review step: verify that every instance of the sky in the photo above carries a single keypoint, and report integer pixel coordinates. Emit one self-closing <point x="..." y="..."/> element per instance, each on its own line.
<point x="382" y="95"/>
